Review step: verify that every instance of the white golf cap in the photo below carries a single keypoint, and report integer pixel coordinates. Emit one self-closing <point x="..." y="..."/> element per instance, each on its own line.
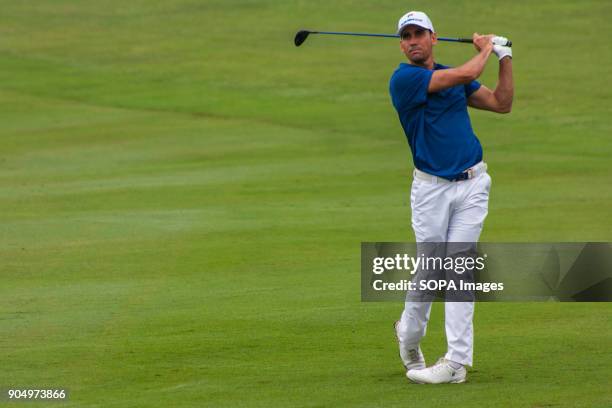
<point x="417" y="18"/>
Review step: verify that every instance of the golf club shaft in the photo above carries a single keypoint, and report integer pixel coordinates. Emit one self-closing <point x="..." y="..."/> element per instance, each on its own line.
<point x="357" y="34"/>
<point x="463" y="40"/>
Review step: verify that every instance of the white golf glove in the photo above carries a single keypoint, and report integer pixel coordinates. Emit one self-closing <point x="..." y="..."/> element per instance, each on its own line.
<point x="500" y="49"/>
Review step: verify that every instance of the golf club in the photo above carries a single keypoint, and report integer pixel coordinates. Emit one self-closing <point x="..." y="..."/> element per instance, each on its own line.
<point x="301" y="36"/>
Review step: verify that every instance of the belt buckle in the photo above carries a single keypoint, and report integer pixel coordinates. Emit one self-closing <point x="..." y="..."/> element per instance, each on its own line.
<point x="470" y="173"/>
<point x="461" y="176"/>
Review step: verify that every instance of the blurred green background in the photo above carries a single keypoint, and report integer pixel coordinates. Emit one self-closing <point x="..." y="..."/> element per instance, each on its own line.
<point x="184" y="193"/>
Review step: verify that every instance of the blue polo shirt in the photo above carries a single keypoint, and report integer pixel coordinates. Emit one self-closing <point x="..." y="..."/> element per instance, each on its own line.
<point x="437" y="124"/>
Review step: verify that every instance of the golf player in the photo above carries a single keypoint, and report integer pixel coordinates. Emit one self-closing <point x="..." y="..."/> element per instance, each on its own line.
<point x="450" y="188"/>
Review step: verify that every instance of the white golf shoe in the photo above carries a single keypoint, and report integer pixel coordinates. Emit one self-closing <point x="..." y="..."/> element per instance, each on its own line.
<point x="412" y="359"/>
<point x="440" y="373"/>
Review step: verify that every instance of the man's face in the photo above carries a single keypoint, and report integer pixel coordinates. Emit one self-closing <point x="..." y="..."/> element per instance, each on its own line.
<point x="417" y="43"/>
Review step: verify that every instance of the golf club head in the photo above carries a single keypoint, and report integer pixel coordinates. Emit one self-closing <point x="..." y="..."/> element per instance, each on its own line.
<point x="300" y="37"/>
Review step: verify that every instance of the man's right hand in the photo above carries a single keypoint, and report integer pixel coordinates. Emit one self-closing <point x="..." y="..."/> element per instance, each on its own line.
<point x="483" y="42"/>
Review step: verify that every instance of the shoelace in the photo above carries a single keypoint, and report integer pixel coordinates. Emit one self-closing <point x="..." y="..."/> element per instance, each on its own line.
<point x="441" y="365"/>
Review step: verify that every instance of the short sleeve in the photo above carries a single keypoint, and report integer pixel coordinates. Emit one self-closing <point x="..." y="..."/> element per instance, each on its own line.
<point x="408" y="87"/>
<point x="471" y="88"/>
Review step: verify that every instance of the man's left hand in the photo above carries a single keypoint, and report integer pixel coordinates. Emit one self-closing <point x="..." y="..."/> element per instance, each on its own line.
<point x="502" y="51"/>
<point x="499" y="47"/>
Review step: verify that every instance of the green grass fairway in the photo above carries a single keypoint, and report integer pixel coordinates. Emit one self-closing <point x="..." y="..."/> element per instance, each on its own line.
<point x="183" y="194"/>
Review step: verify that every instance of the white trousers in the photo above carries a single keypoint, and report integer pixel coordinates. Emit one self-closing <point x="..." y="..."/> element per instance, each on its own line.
<point x="446" y="212"/>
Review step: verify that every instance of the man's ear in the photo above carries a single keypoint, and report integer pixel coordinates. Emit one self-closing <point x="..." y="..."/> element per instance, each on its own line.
<point x="434" y="38"/>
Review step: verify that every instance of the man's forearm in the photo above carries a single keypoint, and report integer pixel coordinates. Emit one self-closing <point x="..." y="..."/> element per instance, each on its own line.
<point x="504" y="91"/>
<point x="463" y="74"/>
<point x="474" y="67"/>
